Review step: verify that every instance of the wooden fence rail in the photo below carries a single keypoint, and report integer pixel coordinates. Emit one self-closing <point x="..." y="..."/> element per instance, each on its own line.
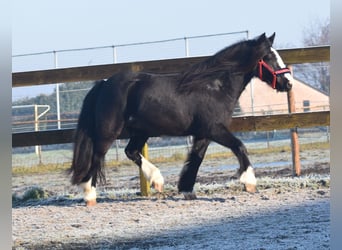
<point x="239" y="124"/>
<point x="20" y="79"/>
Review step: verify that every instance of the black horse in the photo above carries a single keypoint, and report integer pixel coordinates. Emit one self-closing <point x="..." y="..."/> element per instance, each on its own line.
<point x="198" y="102"/>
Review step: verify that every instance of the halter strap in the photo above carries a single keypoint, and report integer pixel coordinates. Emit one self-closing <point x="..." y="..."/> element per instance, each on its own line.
<point x="275" y="73"/>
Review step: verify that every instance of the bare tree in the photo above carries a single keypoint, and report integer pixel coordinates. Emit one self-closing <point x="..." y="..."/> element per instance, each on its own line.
<point x="316" y="74"/>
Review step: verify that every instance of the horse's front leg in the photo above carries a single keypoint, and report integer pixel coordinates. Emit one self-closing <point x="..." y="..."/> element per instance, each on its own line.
<point x="189" y="172"/>
<point x="246" y="172"/>
<point x="150" y="171"/>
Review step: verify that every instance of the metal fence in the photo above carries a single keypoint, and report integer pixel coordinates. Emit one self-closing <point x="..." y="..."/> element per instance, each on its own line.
<point x="120" y="53"/>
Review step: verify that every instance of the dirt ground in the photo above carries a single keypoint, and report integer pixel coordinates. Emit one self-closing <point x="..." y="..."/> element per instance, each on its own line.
<point x="286" y="213"/>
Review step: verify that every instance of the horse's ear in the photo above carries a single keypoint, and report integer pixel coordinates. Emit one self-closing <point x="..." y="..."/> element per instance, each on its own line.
<point x="263" y="45"/>
<point x="261" y="38"/>
<point x="271" y="38"/>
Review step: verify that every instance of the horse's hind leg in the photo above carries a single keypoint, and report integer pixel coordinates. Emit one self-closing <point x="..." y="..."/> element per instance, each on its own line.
<point x="151" y="172"/>
<point x="189" y="172"/>
<point x="246" y="171"/>
<point x="96" y="171"/>
<point x="107" y="131"/>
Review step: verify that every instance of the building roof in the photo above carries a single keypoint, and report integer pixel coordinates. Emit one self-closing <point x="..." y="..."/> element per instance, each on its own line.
<point x="268" y="101"/>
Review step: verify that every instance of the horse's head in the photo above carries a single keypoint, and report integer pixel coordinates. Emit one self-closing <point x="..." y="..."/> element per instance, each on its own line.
<point x="271" y="67"/>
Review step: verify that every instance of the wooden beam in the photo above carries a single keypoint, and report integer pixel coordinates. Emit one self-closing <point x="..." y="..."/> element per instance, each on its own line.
<point x="48" y="137"/>
<point x="305" y="55"/>
<point x="91" y="73"/>
<point x="280" y="121"/>
<point x="239" y="124"/>
<point x="42" y="137"/>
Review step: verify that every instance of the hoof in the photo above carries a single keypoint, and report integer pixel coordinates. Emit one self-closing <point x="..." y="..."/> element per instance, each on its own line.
<point x="90" y="203"/>
<point x="158" y="186"/>
<point x="249" y="180"/>
<point x="190" y="196"/>
<point x="250" y="188"/>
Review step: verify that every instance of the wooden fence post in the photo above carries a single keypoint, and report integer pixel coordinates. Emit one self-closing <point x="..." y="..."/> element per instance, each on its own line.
<point x="144" y="184"/>
<point x="294" y="133"/>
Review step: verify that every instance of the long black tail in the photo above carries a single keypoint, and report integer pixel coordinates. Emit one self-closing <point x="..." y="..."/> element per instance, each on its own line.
<point x="83" y="139"/>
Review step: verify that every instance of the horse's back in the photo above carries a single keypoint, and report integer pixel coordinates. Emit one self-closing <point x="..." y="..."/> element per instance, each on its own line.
<point x="155" y="107"/>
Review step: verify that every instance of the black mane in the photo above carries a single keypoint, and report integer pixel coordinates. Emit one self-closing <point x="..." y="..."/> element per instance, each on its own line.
<point x="240" y="57"/>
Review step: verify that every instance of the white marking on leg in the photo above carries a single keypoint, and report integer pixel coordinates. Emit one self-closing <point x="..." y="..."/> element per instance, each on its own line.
<point x="248" y="177"/>
<point x="282" y="65"/>
<point x="89" y="191"/>
<point x="152" y="174"/>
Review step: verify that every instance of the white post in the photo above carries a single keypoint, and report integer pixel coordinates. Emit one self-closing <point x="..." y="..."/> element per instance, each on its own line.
<point x="117" y="141"/>
<point x="36" y="125"/>
<point x="114" y="54"/>
<point x="38" y="148"/>
<point x="189" y="138"/>
<point x="252" y="95"/>
<point x="186" y="46"/>
<point x="57" y="95"/>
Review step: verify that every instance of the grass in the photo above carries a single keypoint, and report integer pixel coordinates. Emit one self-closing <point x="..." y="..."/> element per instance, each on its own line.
<point x="57" y="167"/>
<point x="40" y="168"/>
<point x="38" y="196"/>
<point x="33" y="193"/>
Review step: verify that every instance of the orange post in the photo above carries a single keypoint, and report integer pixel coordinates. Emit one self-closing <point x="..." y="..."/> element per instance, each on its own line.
<point x="294" y="134"/>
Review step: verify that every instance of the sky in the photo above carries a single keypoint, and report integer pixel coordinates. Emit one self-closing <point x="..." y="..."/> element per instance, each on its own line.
<point x="40" y="25"/>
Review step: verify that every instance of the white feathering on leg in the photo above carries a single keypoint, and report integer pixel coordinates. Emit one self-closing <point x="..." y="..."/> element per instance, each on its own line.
<point x="248" y="177"/>
<point x="151" y="172"/>
<point x="89" y="191"/>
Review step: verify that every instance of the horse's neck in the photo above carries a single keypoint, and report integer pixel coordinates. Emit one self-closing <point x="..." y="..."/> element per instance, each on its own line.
<point x="237" y="86"/>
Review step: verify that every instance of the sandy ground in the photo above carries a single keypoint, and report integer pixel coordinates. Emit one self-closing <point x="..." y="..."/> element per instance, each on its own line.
<point x="286" y="213"/>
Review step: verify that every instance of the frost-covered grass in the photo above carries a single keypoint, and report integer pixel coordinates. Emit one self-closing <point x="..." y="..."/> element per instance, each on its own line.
<point x="24" y="168"/>
<point x="37" y="195"/>
<point x="282" y="183"/>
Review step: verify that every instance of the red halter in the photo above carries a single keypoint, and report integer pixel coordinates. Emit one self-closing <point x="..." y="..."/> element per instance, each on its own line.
<point x="275" y="73"/>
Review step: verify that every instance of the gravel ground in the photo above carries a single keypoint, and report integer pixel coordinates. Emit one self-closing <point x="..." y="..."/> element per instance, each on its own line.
<point x="286" y="213"/>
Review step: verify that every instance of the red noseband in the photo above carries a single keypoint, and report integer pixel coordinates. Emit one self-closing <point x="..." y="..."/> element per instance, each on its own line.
<point x="275" y="73"/>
